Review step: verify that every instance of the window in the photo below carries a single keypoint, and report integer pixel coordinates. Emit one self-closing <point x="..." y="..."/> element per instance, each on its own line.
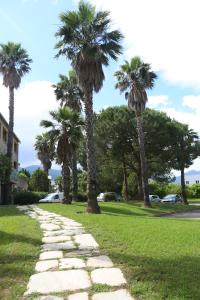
<point x="15" y="165"/>
<point x="5" y="135"/>
<point x="15" y="148"/>
<point x="187" y="182"/>
<point x="197" y="181"/>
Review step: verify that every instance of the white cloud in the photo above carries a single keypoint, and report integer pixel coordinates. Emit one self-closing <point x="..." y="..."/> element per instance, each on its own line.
<point x="155" y="101"/>
<point x="164" y="33"/>
<point x="32" y="104"/>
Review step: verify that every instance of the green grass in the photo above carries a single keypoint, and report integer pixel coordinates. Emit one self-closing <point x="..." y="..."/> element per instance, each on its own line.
<point x="159" y="256"/>
<point x="20" y="241"/>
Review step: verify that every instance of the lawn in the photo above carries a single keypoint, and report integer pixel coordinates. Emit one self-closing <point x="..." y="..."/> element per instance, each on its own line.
<point x="20" y="241"/>
<point x="159" y="256"/>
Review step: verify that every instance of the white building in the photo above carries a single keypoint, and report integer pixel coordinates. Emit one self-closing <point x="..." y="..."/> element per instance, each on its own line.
<point x="192" y="179"/>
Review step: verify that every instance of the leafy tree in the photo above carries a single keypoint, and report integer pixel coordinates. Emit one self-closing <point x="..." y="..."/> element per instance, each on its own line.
<point x="185" y="147"/>
<point x="39" y="181"/>
<point x="5" y="169"/>
<point x="59" y="183"/>
<point x="24" y="171"/>
<point x="14" y="64"/>
<point x="69" y="94"/>
<point x="65" y="131"/>
<point x="45" y="150"/>
<point x="134" y="78"/>
<point x="86" y="40"/>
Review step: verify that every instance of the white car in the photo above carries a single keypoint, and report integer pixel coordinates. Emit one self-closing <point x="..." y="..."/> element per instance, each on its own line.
<point x="154" y="198"/>
<point x="53" y="198"/>
<point x="172" y="198"/>
<point x="101" y="197"/>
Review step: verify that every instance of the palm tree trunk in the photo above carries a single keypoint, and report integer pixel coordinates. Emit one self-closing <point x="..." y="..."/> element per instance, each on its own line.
<point x="144" y="173"/>
<point x="74" y="176"/>
<point x="125" y="181"/>
<point x="66" y="182"/>
<point x="93" y="206"/>
<point x="183" y="188"/>
<point x="8" y="185"/>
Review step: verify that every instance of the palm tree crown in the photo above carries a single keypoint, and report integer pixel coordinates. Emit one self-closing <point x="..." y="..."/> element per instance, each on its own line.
<point x="135" y="77"/>
<point x="68" y="92"/>
<point x="87" y="41"/>
<point x="45" y="150"/>
<point x="65" y="129"/>
<point x="14" y="64"/>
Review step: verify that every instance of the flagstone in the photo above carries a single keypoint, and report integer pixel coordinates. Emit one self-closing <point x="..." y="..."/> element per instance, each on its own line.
<point x="86" y="241"/>
<point x="46" y="265"/>
<point x="49" y="226"/>
<point x="70" y="263"/>
<point x="51" y="255"/>
<point x="117" y="295"/>
<point x="55" y="239"/>
<point x="59" y="246"/>
<point x="58" y="281"/>
<point x="79" y="296"/>
<point x="49" y="298"/>
<point x="102" y="261"/>
<point x="109" y="276"/>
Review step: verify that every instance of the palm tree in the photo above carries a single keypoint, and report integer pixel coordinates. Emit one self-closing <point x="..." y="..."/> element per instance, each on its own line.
<point x="87" y="41"/>
<point x="14" y="64"/>
<point x="135" y="78"/>
<point x="65" y="132"/>
<point x="45" y="151"/>
<point x="69" y="94"/>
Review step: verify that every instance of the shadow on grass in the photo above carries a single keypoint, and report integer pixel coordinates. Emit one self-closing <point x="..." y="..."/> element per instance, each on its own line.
<point x="8" y="238"/>
<point x="168" y="278"/>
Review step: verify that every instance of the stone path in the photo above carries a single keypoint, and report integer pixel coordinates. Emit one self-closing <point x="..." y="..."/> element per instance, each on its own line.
<point x="70" y="265"/>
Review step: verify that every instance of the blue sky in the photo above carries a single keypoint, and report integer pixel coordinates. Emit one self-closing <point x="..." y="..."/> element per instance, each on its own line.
<point x="161" y="36"/>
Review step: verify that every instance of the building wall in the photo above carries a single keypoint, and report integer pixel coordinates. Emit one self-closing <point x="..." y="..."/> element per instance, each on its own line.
<point x="3" y="142"/>
<point x="192" y="179"/>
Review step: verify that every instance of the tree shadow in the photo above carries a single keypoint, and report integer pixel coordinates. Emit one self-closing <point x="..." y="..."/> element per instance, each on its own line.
<point x="169" y="278"/>
<point x="9" y="238"/>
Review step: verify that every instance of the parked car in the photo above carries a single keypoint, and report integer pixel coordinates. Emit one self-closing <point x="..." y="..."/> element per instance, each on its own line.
<point x="53" y="197"/>
<point x="172" y="198"/>
<point x="108" y="196"/>
<point x="154" y="198"/>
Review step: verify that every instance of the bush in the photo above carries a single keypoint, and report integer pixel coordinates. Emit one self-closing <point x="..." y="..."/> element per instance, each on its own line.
<point x="109" y="196"/>
<point x="39" y="181"/>
<point x="24" y="198"/>
<point x="82" y="197"/>
<point x="41" y="195"/>
<point x="156" y="188"/>
<point x="193" y="191"/>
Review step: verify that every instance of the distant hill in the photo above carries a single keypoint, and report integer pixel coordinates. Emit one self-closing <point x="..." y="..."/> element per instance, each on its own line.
<point x="192" y="172"/>
<point x="53" y="172"/>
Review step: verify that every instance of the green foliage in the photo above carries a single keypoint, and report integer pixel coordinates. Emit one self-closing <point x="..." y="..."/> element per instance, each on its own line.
<point x="39" y="181"/>
<point x="23" y="198"/>
<point x="110" y="196"/>
<point x="82" y="197"/>
<point x="24" y="171"/>
<point x="5" y="168"/>
<point x="41" y="195"/>
<point x="23" y="176"/>
<point x="82" y="182"/>
<point x="157" y="188"/>
<point x="193" y="191"/>
<point x="132" y="186"/>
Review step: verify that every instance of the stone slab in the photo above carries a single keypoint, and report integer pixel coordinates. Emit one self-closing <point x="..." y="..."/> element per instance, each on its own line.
<point x="49" y="226"/>
<point x="109" y="276"/>
<point x="56" y="239"/>
<point x="72" y="263"/>
<point x="51" y="255"/>
<point x="117" y="295"/>
<point x="59" y="246"/>
<point x="49" y="298"/>
<point x="78" y="252"/>
<point x="86" y="241"/>
<point x="46" y="265"/>
<point x="102" y="261"/>
<point x="64" y="232"/>
<point x="58" y="281"/>
<point x="79" y="296"/>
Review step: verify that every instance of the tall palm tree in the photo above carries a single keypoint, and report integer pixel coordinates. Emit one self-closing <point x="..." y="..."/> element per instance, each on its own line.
<point x="65" y="132"/>
<point x="45" y="150"/>
<point x="135" y="78"/>
<point x="14" y="64"/>
<point x="69" y="94"/>
<point x="87" y="41"/>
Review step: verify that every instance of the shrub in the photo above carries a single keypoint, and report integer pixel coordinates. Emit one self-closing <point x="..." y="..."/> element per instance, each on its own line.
<point x="41" y="195"/>
<point x="82" y="197"/>
<point x="39" y="181"/>
<point x="193" y="191"/>
<point x="156" y="188"/>
<point x="23" y="198"/>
